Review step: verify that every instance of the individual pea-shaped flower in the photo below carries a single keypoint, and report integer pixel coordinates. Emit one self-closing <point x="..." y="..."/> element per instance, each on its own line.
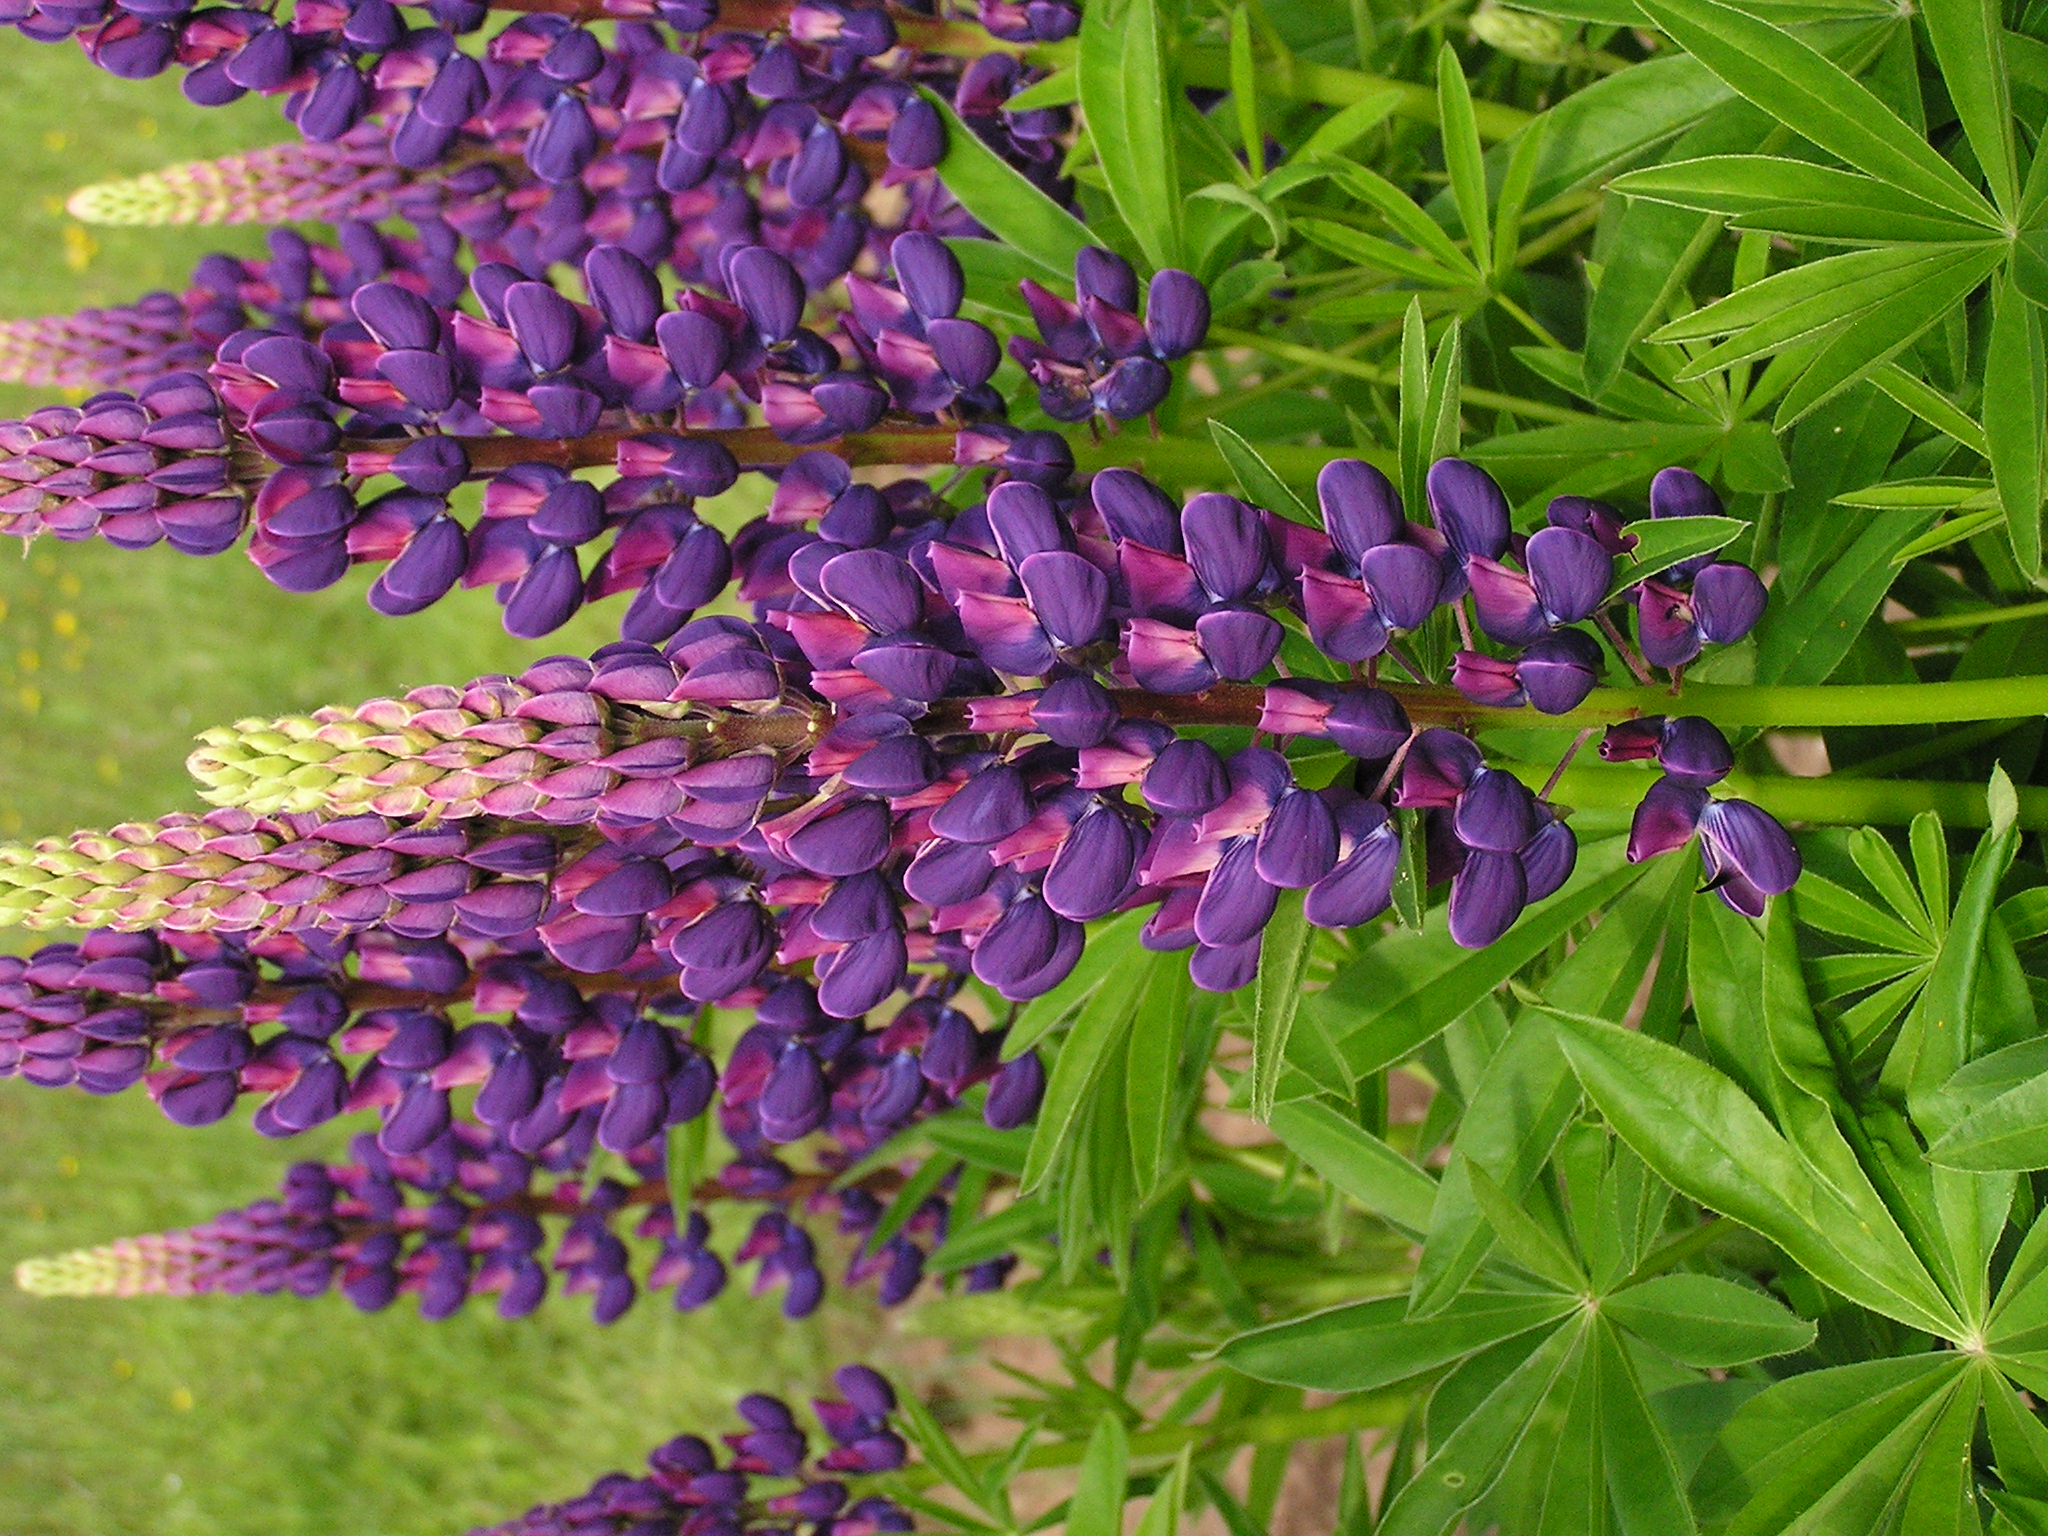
<point x="1748" y="856"/>
<point x="1566" y="580"/>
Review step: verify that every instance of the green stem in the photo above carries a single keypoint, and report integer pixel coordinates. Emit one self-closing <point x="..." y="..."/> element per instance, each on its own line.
<point x="1943" y="623"/>
<point x="1493" y="400"/>
<point x="1826" y="802"/>
<point x="1377" y="1410"/>
<point x="1298" y="79"/>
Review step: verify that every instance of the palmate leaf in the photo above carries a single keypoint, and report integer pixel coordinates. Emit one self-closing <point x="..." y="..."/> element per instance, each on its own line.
<point x="1818" y="99"/>
<point x="1706" y="1138"/>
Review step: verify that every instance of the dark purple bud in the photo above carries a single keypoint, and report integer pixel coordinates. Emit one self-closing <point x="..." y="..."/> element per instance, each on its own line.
<point x="571" y="513"/>
<point x="1487" y="895"/>
<point x="1017" y="946"/>
<point x="1095" y="870"/>
<point x="859" y="906"/>
<point x="769" y="289"/>
<point x="1069" y="595"/>
<point x="1727" y="600"/>
<point x="1440" y="766"/>
<point x="1747" y="854"/>
<point x="1559" y="670"/>
<point x="1133" y="387"/>
<point x="1548" y="857"/>
<point x="1015" y="1093"/>
<point x="945" y="872"/>
<point x="425" y="570"/>
<point x="1361" y="885"/>
<point x="696" y="346"/>
<point x="543" y="323"/>
<point x="965" y="349"/>
<point x="565" y="142"/>
<point x="864" y="973"/>
<point x="1187" y="778"/>
<point x="1496" y="812"/>
<point x="929" y="274"/>
<point x="1075" y="712"/>
<point x="846" y="840"/>
<point x="1361" y="509"/>
<point x="794" y="1101"/>
<point x="1236" y="902"/>
<point x="918" y="136"/>
<point x="457" y="93"/>
<point x="1239" y="642"/>
<point x="632" y="1116"/>
<point x="1506" y="602"/>
<point x="1692" y="750"/>
<point x="1226" y="544"/>
<point x="1666" y="818"/>
<point x="397" y="317"/>
<point x="1570" y="571"/>
<point x="546" y="597"/>
<point x="1176" y="313"/>
<point x="624" y="288"/>
<point x="989" y="807"/>
<point x="1136" y="509"/>
<point x="1368" y="723"/>
<point x="1406" y="583"/>
<point x="1595" y="519"/>
<point x="895" y="1093"/>
<point x="818" y="167"/>
<point x="1025" y="521"/>
<point x="1469" y="509"/>
<point x="1298" y="844"/>
<point x="952" y="1054"/>
<point x="435" y="465"/>
<point x="894" y="766"/>
<point x="1105" y="276"/>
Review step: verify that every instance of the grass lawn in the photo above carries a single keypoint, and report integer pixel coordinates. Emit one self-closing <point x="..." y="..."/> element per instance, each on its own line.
<point x="222" y="1416"/>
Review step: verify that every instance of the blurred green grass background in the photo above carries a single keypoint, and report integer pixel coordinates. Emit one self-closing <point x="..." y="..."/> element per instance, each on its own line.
<point x="233" y="1416"/>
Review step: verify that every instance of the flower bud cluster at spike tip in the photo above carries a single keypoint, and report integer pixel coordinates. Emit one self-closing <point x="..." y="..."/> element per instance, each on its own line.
<point x="350" y="178"/>
<point x="467" y="1216"/>
<point x="1747" y="855"/>
<point x="766" y="1484"/>
<point x="300" y="289"/>
<point x="619" y="740"/>
<point x="1094" y="355"/>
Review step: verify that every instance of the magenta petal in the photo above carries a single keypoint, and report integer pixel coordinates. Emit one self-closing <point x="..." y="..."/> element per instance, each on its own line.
<point x="1439" y="767"/>
<point x="1506" y="602"/>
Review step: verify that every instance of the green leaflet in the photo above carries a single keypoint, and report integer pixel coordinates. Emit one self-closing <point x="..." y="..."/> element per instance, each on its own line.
<point x="1126" y="96"/>
<point x="1015" y="211"/>
<point x="1705" y="1321"/>
<point x="1374" y="1343"/>
<point x="1705" y="1137"/>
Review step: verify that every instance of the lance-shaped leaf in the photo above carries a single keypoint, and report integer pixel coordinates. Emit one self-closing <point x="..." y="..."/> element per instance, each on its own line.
<point x="1644" y="1483"/>
<point x="1757" y="189"/>
<point x="999" y="196"/>
<point x="1707" y="1139"/>
<point x="1356" y="1162"/>
<point x="1702" y="1320"/>
<point x="1831" y="1449"/>
<point x="1371" y="1344"/>
<point x="1406" y="987"/>
<point x="1969" y="44"/>
<point x="2014" y="408"/>
<point x="1472" y="1456"/>
<point x="1126" y="101"/>
<point x="1816" y="98"/>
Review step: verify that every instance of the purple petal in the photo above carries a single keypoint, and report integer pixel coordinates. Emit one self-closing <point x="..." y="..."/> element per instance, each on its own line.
<point x="1298" y="844"/>
<point x="1406" y="583"/>
<point x="1469" y="509"/>
<point x="1487" y="895"/>
<point x="1571" y="573"/>
<point x="1727" y="600"/>
<point x="1666" y="818"/>
<point x="1069" y="595"/>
